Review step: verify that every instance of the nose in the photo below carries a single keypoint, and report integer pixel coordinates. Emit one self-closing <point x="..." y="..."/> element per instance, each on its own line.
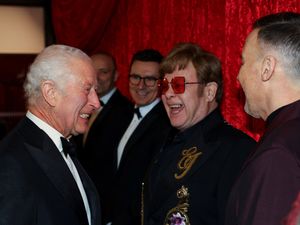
<point x="141" y="84"/>
<point x="93" y="99"/>
<point x="169" y="93"/>
<point x="238" y="77"/>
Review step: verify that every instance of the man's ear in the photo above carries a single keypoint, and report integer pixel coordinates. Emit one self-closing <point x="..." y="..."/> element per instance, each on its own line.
<point x="210" y="91"/>
<point x="116" y="76"/>
<point x="49" y="92"/>
<point x="268" y="67"/>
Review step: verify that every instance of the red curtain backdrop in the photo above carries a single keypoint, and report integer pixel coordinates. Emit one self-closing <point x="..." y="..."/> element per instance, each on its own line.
<point x="125" y="26"/>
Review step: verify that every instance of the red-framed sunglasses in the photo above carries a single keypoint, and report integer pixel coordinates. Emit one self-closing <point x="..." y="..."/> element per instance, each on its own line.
<point x="177" y="83"/>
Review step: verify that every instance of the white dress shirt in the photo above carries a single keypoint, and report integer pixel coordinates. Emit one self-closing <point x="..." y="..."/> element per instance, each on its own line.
<point x="55" y="137"/>
<point x="144" y="110"/>
<point x="106" y="97"/>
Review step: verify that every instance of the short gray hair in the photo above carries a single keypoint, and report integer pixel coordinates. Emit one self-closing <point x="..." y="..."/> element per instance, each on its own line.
<point x="53" y="63"/>
<point x="284" y="39"/>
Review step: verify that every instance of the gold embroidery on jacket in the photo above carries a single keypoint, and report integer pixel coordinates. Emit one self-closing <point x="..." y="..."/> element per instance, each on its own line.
<point x="178" y="214"/>
<point x="189" y="157"/>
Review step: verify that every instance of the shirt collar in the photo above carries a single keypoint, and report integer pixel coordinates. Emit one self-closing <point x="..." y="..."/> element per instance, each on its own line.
<point x="50" y="131"/>
<point x="144" y="110"/>
<point x="106" y="97"/>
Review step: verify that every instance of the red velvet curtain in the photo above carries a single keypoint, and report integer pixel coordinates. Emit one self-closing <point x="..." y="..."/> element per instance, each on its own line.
<point x="125" y="26"/>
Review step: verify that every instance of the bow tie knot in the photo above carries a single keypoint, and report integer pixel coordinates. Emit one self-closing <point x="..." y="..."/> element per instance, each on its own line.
<point x="138" y="113"/>
<point x="68" y="147"/>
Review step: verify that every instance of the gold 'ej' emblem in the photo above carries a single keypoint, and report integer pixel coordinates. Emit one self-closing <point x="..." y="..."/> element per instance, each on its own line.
<point x="189" y="157"/>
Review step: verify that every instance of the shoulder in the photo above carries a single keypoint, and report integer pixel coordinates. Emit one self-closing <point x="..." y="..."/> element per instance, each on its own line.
<point x="121" y="101"/>
<point x="120" y="97"/>
<point x="228" y="133"/>
<point x="284" y="138"/>
<point x="288" y="131"/>
<point x="11" y="170"/>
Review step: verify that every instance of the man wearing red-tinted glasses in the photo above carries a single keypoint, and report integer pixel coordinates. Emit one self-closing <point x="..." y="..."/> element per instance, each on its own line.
<point x="189" y="181"/>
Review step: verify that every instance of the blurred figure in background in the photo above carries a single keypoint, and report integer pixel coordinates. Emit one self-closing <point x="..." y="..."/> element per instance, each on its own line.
<point x="106" y="127"/>
<point x="142" y="139"/>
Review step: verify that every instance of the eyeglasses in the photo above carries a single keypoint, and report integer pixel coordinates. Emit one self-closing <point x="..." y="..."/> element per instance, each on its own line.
<point x="177" y="83"/>
<point x="149" y="81"/>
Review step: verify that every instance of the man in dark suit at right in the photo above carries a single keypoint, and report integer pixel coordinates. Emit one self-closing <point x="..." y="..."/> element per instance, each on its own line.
<point x="270" y="77"/>
<point x="99" y="154"/>
<point x="143" y="137"/>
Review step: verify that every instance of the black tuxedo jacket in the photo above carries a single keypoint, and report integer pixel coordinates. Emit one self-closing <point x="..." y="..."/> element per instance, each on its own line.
<point x="191" y="178"/>
<point x="99" y="155"/>
<point x="144" y="143"/>
<point x="269" y="181"/>
<point x="36" y="185"/>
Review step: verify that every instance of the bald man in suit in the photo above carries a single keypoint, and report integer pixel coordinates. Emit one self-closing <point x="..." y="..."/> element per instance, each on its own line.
<point x="99" y="151"/>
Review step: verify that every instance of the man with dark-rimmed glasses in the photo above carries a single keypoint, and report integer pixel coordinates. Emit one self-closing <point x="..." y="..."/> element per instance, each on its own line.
<point x="142" y="139"/>
<point x="190" y="179"/>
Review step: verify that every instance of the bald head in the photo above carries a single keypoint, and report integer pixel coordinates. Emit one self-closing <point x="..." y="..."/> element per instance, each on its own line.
<point x="107" y="74"/>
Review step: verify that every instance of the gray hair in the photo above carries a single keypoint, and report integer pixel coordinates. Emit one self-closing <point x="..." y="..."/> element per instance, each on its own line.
<point x="283" y="39"/>
<point x="53" y="63"/>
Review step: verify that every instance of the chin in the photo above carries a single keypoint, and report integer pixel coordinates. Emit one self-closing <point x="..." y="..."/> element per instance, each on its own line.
<point x="176" y="124"/>
<point x="80" y="130"/>
<point x="251" y="112"/>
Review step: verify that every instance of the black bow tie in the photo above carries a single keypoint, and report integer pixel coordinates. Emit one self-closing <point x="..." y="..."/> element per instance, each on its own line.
<point x="137" y="112"/>
<point x="68" y="147"/>
<point x="102" y="103"/>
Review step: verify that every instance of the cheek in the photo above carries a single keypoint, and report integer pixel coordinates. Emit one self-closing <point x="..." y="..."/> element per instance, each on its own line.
<point x="242" y="78"/>
<point x="131" y="90"/>
<point x="164" y="100"/>
<point x="154" y="91"/>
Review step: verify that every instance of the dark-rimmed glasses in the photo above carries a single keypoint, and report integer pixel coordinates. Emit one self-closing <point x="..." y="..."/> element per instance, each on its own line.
<point x="149" y="81"/>
<point x="177" y="83"/>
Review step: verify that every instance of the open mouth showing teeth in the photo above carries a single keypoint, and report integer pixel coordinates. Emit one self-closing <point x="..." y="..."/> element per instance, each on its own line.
<point x="176" y="106"/>
<point x="175" y="109"/>
<point x="85" y="116"/>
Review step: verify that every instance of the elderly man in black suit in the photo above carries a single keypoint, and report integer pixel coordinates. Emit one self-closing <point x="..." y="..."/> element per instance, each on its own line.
<point x="41" y="181"/>
<point x="189" y="181"/>
<point x="99" y="152"/>
<point x="143" y="138"/>
<point x="270" y="77"/>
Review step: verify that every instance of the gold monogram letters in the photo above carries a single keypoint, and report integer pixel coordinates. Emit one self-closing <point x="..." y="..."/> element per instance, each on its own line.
<point x="189" y="157"/>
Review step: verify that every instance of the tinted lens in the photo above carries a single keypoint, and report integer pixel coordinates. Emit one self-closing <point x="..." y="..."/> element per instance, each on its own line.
<point x="178" y="84"/>
<point x="163" y="85"/>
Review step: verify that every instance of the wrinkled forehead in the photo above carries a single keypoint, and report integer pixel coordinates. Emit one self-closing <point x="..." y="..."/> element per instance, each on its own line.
<point x="175" y="64"/>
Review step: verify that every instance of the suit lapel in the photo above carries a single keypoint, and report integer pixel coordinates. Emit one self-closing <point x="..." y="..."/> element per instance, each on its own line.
<point x="106" y="108"/>
<point x="91" y="192"/>
<point x="139" y="132"/>
<point x="49" y="159"/>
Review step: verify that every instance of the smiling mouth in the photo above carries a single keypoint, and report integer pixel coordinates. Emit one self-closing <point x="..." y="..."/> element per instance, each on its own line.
<point x="85" y="116"/>
<point x="175" y="108"/>
<point x="142" y="93"/>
